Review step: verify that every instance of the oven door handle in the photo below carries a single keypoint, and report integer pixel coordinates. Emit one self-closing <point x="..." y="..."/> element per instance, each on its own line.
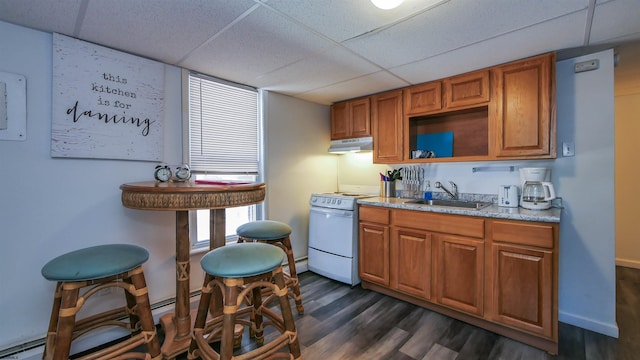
<point x="332" y="212"/>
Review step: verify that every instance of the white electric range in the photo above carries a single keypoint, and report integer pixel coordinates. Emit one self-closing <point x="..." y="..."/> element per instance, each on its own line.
<point x="333" y="236"/>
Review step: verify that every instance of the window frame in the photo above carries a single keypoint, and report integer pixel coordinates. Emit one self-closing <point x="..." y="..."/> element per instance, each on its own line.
<point x="203" y="245"/>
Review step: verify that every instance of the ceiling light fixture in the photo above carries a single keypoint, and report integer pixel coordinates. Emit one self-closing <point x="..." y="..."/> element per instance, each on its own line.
<point x="387" y="4"/>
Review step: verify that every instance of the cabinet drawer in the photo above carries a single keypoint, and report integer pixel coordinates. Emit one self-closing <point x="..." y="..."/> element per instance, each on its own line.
<point x="450" y="224"/>
<point x="523" y="233"/>
<point x="376" y="215"/>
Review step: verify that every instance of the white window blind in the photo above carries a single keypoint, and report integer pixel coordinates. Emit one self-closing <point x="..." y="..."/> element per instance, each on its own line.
<point x="223" y="127"/>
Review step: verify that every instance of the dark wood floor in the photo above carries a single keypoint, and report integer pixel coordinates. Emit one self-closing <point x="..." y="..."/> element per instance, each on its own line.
<point x="341" y="322"/>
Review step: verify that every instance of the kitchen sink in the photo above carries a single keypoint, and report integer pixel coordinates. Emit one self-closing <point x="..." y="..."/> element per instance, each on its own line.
<point x="475" y="205"/>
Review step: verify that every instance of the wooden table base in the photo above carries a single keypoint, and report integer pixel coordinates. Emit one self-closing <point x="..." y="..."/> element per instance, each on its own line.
<point x="174" y="345"/>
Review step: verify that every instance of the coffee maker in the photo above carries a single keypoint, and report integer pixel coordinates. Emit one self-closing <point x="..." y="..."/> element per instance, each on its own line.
<point x="537" y="189"/>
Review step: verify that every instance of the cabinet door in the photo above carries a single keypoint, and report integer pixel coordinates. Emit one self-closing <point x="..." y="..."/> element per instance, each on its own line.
<point x="411" y="262"/>
<point x="387" y="120"/>
<point x="423" y="98"/>
<point x="467" y="90"/>
<point x="522" y="288"/>
<point x="460" y="273"/>
<point x="525" y="108"/>
<point x="374" y="253"/>
<point x="360" y="117"/>
<point x="339" y="121"/>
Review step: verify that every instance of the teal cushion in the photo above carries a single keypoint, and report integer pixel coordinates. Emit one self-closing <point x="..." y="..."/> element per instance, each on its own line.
<point x="264" y="230"/>
<point x="95" y="262"/>
<point x="242" y="260"/>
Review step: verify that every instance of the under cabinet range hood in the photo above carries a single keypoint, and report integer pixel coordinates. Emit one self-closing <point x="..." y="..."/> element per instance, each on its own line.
<point x="351" y="145"/>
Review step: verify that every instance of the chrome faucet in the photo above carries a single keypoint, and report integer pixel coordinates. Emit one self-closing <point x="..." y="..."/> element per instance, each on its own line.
<point x="454" y="189"/>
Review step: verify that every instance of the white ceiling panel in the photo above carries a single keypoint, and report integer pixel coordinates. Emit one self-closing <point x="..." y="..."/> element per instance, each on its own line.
<point x="160" y="29"/>
<point x="42" y="15"/>
<point x="341" y="20"/>
<point x="328" y="50"/>
<point x="617" y="20"/>
<point x="364" y="85"/>
<point x="257" y="44"/>
<point x="531" y="41"/>
<point x="320" y="70"/>
<point x="454" y="25"/>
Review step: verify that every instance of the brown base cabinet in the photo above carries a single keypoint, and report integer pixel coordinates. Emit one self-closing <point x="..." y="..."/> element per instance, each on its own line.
<point x="498" y="274"/>
<point x="460" y="273"/>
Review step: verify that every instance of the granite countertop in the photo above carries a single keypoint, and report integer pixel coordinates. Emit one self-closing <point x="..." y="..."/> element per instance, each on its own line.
<point x="494" y="211"/>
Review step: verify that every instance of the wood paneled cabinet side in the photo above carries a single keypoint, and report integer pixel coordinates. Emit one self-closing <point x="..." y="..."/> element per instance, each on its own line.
<point x="525" y="108"/>
<point x="387" y="127"/>
<point x="459" y="273"/>
<point x="374" y="245"/>
<point x="411" y="269"/>
<point x="351" y="119"/>
<point x="523" y="276"/>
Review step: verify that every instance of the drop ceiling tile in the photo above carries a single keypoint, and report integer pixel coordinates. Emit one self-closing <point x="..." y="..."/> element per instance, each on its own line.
<point x="528" y="42"/>
<point x="615" y="21"/>
<point x="326" y="68"/>
<point x="258" y="44"/>
<point x="56" y="16"/>
<point x="340" y="20"/>
<point x="456" y="24"/>
<point x="364" y="85"/>
<point x="161" y="29"/>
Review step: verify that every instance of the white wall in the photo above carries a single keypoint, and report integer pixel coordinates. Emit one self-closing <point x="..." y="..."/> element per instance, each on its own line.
<point x="587" y="234"/>
<point x="52" y="205"/>
<point x="297" y="139"/>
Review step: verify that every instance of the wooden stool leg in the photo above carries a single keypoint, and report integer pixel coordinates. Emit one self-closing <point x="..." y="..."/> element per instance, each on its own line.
<point x="228" y="318"/>
<point x="53" y="324"/>
<point x="143" y="312"/>
<point x="66" y="321"/>
<point x="201" y="316"/>
<point x="287" y="315"/>
<point x="295" y="287"/>
<point x="256" y="315"/>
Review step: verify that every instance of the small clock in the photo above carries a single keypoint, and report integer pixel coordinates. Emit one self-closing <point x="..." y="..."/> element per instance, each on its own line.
<point x="162" y="173"/>
<point x="183" y="173"/>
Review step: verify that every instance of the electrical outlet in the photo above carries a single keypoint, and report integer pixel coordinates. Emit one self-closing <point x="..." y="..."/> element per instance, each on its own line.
<point x="586" y="65"/>
<point x="568" y="149"/>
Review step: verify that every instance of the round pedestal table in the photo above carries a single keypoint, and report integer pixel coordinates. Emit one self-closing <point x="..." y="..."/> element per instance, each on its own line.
<point x="182" y="197"/>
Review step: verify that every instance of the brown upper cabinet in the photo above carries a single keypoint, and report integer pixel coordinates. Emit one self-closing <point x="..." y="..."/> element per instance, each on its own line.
<point x="455" y="92"/>
<point x="525" y="108"/>
<point x="506" y="112"/>
<point x="387" y="122"/>
<point x="351" y="119"/>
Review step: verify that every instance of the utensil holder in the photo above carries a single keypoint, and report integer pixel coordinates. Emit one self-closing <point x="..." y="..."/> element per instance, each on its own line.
<point x="387" y="188"/>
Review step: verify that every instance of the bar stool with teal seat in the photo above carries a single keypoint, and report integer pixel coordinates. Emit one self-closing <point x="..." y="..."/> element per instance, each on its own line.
<point x="240" y="272"/>
<point x="98" y="268"/>
<point x="275" y="233"/>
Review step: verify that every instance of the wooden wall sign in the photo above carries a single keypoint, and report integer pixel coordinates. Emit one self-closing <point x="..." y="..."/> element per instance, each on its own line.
<point x="106" y="104"/>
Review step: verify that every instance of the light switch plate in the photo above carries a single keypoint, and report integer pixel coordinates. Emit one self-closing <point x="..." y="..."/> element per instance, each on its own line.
<point x="568" y="149"/>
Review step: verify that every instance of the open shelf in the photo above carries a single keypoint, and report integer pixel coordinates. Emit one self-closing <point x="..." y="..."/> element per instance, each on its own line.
<point x="470" y="128"/>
